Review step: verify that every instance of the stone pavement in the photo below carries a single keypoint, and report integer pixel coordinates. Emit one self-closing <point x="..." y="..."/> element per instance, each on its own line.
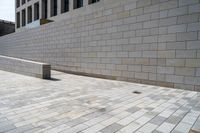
<point x="71" y="103"/>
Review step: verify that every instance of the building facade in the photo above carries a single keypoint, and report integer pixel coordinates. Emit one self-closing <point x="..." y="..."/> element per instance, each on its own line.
<point x="6" y="27"/>
<point x="145" y="41"/>
<point x="30" y="12"/>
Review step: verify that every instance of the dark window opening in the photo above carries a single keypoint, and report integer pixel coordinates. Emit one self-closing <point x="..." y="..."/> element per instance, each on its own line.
<point x="23" y="17"/>
<point x="29" y="14"/>
<point x="78" y="4"/>
<point x="23" y="2"/>
<point x="18" y="19"/>
<point x="18" y="3"/>
<point x="93" y="1"/>
<point x="44" y="9"/>
<point x="64" y="6"/>
<point x="36" y="11"/>
<point x="54" y="7"/>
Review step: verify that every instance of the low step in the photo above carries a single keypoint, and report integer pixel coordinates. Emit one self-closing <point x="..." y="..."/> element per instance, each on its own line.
<point x="25" y="67"/>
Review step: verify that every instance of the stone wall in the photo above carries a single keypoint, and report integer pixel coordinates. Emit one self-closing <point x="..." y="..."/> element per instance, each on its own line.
<point x="145" y="41"/>
<point x="25" y="67"/>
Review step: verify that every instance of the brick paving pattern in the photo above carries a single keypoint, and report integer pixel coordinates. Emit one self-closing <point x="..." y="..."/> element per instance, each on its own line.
<point x="71" y="103"/>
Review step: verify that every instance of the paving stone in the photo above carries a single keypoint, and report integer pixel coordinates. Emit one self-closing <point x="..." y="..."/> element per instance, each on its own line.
<point x="196" y="126"/>
<point x="148" y="128"/>
<point x="133" y="109"/>
<point x="174" y="119"/>
<point x="165" y="127"/>
<point x="85" y="104"/>
<point x="112" y="128"/>
<point x="158" y="120"/>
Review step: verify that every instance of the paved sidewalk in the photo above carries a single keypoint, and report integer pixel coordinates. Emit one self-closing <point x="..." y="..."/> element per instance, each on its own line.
<point x="70" y="104"/>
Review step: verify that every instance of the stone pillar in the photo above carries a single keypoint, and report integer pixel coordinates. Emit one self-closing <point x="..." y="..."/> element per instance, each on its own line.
<point x="49" y="9"/>
<point x="26" y="10"/>
<point x="15" y="14"/>
<point x="85" y="3"/>
<point x="33" y="13"/>
<point x="59" y="7"/>
<point x="40" y="9"/>
<point x="71" y="5"/>
<point x="21" y="18"/>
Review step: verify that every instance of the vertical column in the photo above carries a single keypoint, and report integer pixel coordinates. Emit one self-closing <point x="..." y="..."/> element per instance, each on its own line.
<point x="59" y="7"/>
<point x="33" y="12"/>
<point x="40" y="9"/>
<point x="71" y="5"/>
<point x="15" y="16"/>
<point x="85" y="3"/>
<point x="26" y="15"/>
<point x="49" y="9"/>
<point x="20" y="18"/>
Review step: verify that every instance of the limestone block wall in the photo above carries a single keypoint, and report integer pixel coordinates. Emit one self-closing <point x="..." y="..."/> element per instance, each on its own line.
<point x="25" y="67"/>
<point x="145" y="41"/>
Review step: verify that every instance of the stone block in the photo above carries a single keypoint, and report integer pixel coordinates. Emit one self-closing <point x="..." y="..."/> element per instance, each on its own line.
<point x="183" y="71"/>
<point x="192" y="18"/>
<point x="149" y="69"/>
<point x="141" y="61"/>
<point x="193" y="45"/>
<point x="152" y="8"/>
<point x="143" y="3"/>
<point x="135" y="54"/>
<point x="175" y="79"/>
<point x="176" y="45"/>
<point x="150" y="54"/>
<point x="175" y="62"/>
<point x="169" y="4"/>
<point x="178" y="11"/>
<point x="187" y="2"/>
<point x="192" y="80"/>
<point x="150" y="39"/>
<point x="151" y="24"/>
<point x="167" y="38"/>
<point x="167" y="21"/>
<point x="25" y="67"/>
<point x="198" y="72"/>
<point x="166" y="54"/>
<point x="144" y="17"/>
<point x="185" y="53"/>
<point x="140" y="75"/>
<point x="143" y="32"/>
<point x="136" y="12"/>
<point x="130" y="6"/>
<point x="124" y="14"/>
<point x="177" y="28"/>
<point x="187" y="36"/>
<point x="135" y="68"/>
<point x="193" y="27"/>
<point x="165" y="70"/>
<point x="194" y="8"/>
<point x="136" y="40"/>
<point x="192" y="63"/>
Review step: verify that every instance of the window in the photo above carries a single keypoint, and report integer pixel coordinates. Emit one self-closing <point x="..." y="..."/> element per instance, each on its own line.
<point x="54" y="6"/>
<point x="18" y="19"/>
<point x="29" y="14"/>
<point x="23" y="2"/>
<point x="36" y="11"/>
<point x="93" y="1"/>
<point x="78" y="4"/>
<point x="44" y="9"/>
<point x="18" y="3"/>
<point x="23" y="17"/>
<point x="64" y="6"/>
